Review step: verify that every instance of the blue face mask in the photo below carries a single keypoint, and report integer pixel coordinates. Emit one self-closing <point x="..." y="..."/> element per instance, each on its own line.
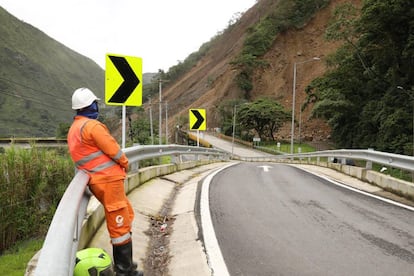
<point x="91" y="111"/>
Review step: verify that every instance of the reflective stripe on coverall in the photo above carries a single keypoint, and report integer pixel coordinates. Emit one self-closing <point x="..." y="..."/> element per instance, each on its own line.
<point x="96" y="152"/>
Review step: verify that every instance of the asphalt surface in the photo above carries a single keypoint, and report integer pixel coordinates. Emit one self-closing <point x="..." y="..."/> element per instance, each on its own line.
<point x="273" y="219"/>
<point x="282" y="216"/>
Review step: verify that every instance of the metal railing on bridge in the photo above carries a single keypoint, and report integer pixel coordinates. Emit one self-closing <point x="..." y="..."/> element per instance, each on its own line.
<point x="63" y="235"/>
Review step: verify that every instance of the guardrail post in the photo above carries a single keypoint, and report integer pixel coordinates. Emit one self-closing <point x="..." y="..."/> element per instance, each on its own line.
<point x="134" y="167"/>
<point x="176" y="159"/>
<point x="368" y="165"/>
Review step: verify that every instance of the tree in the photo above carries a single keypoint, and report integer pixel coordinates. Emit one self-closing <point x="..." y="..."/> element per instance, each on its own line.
<point x="264" y="115"/>
<point x="62" y="130"/>
<point x="140" y="128"/>
<point x="225" y="112"/>
<point x="358" y="95"/>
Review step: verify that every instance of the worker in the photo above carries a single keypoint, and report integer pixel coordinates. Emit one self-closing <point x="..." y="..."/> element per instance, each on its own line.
<point x="97" y="153"/>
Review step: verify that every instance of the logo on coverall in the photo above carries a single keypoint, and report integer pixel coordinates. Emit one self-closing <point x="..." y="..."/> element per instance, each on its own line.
<point x="119" y="220"/>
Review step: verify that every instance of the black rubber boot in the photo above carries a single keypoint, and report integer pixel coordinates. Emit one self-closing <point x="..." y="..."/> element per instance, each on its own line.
<point x="124" y="266"/>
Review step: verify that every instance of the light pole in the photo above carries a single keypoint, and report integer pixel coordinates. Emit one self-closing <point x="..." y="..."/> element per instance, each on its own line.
<point x="166" y="122"/>
<point x="234" y="130"/>
<point x="234" y="126"/>
<point x="160" y="115"/>
<point x="412" y="99"/>
<point x="151" y="129"/>
<point x="292" y="134"/>
<point x="300" y="127"/>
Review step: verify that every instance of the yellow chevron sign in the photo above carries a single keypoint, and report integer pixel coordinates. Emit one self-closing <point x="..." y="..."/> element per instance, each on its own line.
<point x="123" y="75"/>
<point x="197" y="119"/>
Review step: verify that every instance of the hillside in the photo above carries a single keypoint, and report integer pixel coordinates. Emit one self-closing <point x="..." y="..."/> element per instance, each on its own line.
<point x="38" y="75"/>
<point x="37" y="78"/>
<point x="211" y="81"/>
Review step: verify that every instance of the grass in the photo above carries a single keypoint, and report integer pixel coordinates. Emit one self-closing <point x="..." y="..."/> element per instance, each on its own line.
<point x="32" y="181"/>
<point x="285" y="147"/>
<point x="14" y="261"/>
<point x="393" y="172"/>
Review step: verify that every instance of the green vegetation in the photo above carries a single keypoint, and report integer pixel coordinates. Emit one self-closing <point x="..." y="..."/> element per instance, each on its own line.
<point x="286" y="14"/>
<point x="37" y="78"/>
<point x="393" y="172"/>
<point x="367" y="94"/>
<point x="176" y="71"/>
<point x="140" y="128"/>
<point x="14" y="261"/>
<point x="285" y="147"/>
<point x="32" y="183"/>
<point x="263" y="117"/>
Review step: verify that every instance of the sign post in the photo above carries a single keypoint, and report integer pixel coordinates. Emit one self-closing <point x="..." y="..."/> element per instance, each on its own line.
<point x="123" y="75"/>
<point x="197" y="118"/>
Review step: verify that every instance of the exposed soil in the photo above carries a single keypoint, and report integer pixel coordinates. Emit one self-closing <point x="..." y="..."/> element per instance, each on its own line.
<point x="158" y="256"/>
<point x="211" y="81"/>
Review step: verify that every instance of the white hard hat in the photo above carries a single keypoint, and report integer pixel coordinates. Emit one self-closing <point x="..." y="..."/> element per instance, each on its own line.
<point x="83" y="97"/>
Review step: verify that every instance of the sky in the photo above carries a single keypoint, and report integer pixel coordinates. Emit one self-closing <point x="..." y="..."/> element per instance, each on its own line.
<point x="161" y="32"/>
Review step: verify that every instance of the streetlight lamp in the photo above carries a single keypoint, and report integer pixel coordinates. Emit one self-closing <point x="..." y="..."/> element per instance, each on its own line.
<point x="293" y="99"/>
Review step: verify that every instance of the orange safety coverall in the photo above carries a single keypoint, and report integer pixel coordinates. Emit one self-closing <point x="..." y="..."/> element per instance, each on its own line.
<point x="97" y="153"/>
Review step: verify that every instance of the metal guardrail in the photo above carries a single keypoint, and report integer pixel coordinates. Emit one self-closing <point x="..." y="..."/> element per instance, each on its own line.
<point x="57" y="256"/>
<point x="45" y="140"/>
<point x="63" y="235"/>
<point x="397" y="161"/>
<point x="139" y="153"/>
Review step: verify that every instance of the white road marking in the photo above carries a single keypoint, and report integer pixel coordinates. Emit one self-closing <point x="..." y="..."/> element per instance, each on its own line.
<point x="265" y="168"/>
<point x="360" y="191"/>
<point x="214" y="256"/>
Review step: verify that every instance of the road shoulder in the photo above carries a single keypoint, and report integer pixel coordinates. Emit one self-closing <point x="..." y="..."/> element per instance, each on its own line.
<point x="354" y="183"/>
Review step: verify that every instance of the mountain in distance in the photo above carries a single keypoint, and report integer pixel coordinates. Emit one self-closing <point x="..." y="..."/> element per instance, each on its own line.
<point x="37" y="78"/>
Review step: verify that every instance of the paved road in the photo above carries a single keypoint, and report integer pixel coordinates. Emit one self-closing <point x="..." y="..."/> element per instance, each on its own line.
<point x="280" y="220"/>
<point x="235" y="148"/>
<point x="262" y="199"/>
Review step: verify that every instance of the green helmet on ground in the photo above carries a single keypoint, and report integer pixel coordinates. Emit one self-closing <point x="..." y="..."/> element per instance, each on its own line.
<point x="93" y="262"/>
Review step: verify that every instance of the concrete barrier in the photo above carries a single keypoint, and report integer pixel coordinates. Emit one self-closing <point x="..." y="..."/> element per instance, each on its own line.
<point x="390" y="183"/>
<point x="384" y="181"/>
<point x="95" y="214"/>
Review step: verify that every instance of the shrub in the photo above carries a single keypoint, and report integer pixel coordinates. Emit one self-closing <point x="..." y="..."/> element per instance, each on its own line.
<point x="32" y="181"/>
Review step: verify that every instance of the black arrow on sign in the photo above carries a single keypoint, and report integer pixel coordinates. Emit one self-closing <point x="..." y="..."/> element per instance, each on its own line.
<point x="199" y="117"/>
<point x="129" y="84"/>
